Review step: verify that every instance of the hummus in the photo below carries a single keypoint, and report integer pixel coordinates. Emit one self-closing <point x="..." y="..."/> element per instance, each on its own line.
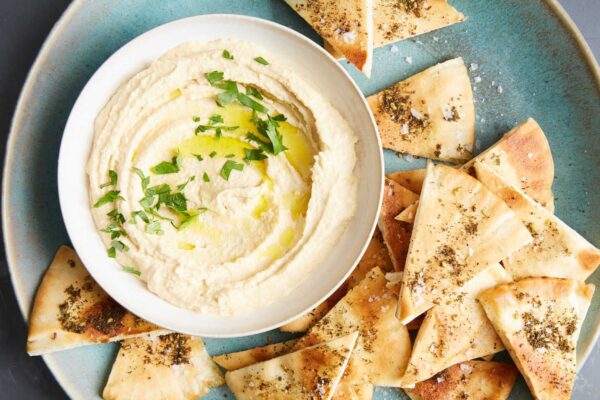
<point x="221" y="177"/>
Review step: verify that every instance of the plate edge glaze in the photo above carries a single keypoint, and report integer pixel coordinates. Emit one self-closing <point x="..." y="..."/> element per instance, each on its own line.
<point x="18" y="116"/>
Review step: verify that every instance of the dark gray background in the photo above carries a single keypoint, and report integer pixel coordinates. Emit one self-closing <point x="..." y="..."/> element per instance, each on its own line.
<point x="24" y="24"/>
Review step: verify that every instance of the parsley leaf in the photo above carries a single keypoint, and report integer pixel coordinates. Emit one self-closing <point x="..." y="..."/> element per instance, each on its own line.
<point x="113" y="179"/>
<point x="227" y="55"/>
<point x="248" y="102"/>
<point x="250" y="91"/>
<point x="182" y="186"/>
<point x="254" y="155"/>
<point x="112" y="252"/>
<point x="109" y="197"/>
<point x="131" y="270"/>
<point x="280" y="118"/>
<point x="166" y="167"/>
<point x="198" y="157"/>
<point x="216" y="119"/>
<point x="230" y="155"/>
<point x="118" y="245"/>
<point x="229" y="166"/>
<point x="154" y="228"/>
<point x="261" y="60"/>
<point x="205" y="177"/>
<point x="214" y="76"/>
<point x="142" y="215"/>
<point x="145" y="179"/>
<point x="212" y="154"/>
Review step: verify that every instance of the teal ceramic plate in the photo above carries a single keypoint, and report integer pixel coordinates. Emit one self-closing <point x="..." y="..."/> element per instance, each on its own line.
<point x="529" y="48"/>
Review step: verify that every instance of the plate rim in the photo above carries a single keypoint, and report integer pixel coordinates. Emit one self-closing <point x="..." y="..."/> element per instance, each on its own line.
<point x="18" y="118"/>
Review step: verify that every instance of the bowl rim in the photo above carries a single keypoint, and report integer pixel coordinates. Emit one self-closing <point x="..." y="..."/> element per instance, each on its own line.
<point x="135" y="306"/>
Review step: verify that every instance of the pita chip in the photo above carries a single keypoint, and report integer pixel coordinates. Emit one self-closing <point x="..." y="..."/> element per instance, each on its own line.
<point x="397" y="20"/>
<point x="412" y="179"/>
<point x="309" y="373"/>
<point x="244" y="358"/>
<point x="461" y="228"/>
<point x="556" y="251"/>
<point x="455" y="331"/>
<point x="71" y="310"/>
<point x="408" y="214"/>
<point x="383" y="347"/>
<point x="172" y="366"/>
<point x="347" y="25"/>
<point x="396" y="234"/>
<point x="431" y="114"/>
<point x="523" y="158"/>
<point x="473" y="380"/>
<point x="376" y="255"/>
<point x="539" y="320"/>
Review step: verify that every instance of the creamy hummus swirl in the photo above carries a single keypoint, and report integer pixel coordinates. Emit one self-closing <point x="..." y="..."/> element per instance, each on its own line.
<point x="184" y="194"/>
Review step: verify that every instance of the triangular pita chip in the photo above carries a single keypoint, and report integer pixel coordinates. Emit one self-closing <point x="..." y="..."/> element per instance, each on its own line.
<point x="539" y="320"/>
<point x="310" y="373"/>
<point x="556" y="251"/>
<point x="346" y="24"/>
<point x="244" y="358"/>
<point x="408" y="214"/>
<point x="523" y="158"/>
<point x="376" y="255"/>
<point x="473" y="380"/>
<point x="396" y="234"/>
<point x="71" y="310"/>
<point x="455" y="331"/>
<point x="431" y="114"/>
<point x="412" y="179"/>
<point x="383" y="346"/>
<point x="397" y="20"/>
<point x="461" y="228"/>
<point x="172" y="366"/>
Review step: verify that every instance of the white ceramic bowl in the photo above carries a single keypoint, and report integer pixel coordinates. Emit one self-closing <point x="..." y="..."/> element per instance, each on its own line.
<point x="311" y="61"/>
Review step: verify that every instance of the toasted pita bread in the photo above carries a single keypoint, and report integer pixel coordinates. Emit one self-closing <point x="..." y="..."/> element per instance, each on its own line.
<point x="456" y="331"/>
<point x="71" y="310"/>
<point x="473" y="380"/>
<point x="383" y="346"/>
<point x="523" y="158"/>
<point x="556" y="251"/>
<point x="396" y="234"/>
<point x="431" y="114"/>
<point x="345" y="24"/>
<point x="408" y="214"/>
<point x="310" y="373"/>
<point x="461" y="228"/>
<point x="539" y="320"/>
<point x="376" y="255"/>
<point x="396" y="20"/>
<point x="172" y="366"/>
<point x="412" y="179"/>
<point x="244" y="358"/>
<point x="345" y="391"/>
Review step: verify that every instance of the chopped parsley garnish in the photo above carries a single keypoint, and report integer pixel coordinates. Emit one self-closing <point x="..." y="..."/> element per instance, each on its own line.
<point x="131" y="270"/>
<point x="141" y="215"/>
<point x="250" y="91"/>
<point x="109" y="197"/>
<point x="145" y="179"/>
<point x="205" y="177"/>
<point x="215" y="119"/>
<point x="116" y="245"/>
<point x="248" y="102"/>
<point x="198" y="157"/>
<point x="167" y="167"/>
<point x="154" y="228"/>
<point x="227" y="55"/>
<point x="196" y="119"/>
<point x="212" y="154"/>
<point x="232" y="93"/>
<point x="280" y="118"/>
<point x="230" y="155"/>
<point x="273" y="140"/>
<point x="254" y="155"/>
<point x="112" y="252"/>
<point x="261" y="60"/>
<point x="182" y="186"/>
<point x="113" y="179"/>
<point x="229" y="166"/>
<point x="214" y="76"/>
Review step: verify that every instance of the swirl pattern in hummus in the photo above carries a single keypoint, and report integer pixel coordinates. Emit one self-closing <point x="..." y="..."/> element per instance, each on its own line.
<point x="207" y="236"/>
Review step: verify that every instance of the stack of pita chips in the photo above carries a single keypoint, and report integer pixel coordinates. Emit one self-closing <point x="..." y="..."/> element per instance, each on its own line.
<point x="71" y="310"/>
<point x="351" y="29"/>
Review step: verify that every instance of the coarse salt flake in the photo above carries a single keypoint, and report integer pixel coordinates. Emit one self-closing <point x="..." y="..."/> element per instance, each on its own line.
<point x="416" y="114"/>
<point x="349" y="37"/>
<point x="409" y="60"/>
<point x="394" y="49"/>
<point x="473" y="67"/>
<point x="477" y="79"/>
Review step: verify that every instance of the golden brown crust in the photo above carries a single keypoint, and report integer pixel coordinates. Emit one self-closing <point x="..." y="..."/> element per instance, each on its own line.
<point x="556" y="250"/>
<point x="431" y="114"/>
<point x="460" y="229"/>
<point x="310" y="373"/>
<point x="376" y="255"/>
<point x="172" y="366"/>
<point x="411" y="179"/>
<point x="396" y="234"/>
<point x="383" y="347"/>
<point x="538" y="320"/>
<point x="523" y="158"/>
<point x="70" y="310"/>
<point x="477" y="380"/>
<point x="244" y="358"/>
